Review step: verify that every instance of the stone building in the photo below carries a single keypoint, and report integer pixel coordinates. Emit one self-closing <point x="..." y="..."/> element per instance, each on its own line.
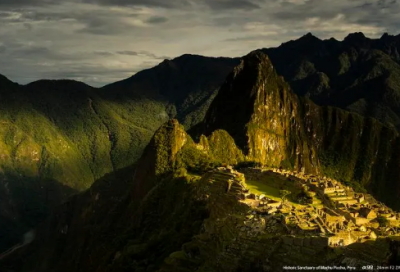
<point x="273" y="204"/>
<point x="342" y="238"/>
<point x="368" y="213"/>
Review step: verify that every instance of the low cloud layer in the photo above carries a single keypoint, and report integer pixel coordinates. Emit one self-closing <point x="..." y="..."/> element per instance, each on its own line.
<point x="101" y="41"/>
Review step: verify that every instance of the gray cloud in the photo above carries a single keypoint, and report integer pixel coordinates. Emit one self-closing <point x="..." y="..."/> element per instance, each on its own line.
<point x="30" y="51"/>
<point x="17" y="3"/>
<point x="28" y="26"/>
<point x="232" y="4"/>
<point x="99" y="41"/>
<point x="47" y="16"/>
<point x="2" y="48"/>
<point x="247" y="38"/>
<point x="144" y="3"/>
<point x="183" y="4"/>
<point x="18" y="51"/>
<point x="20" y="2"/>
<point x="4" y="14"/>
<point x="102" y="26"/>
<point x="103" y="53"/>
<point x="157" y="20"/>
<point x="98" y="23"/>
<point x="142" y="53"/>
<point x="377" y="13"/>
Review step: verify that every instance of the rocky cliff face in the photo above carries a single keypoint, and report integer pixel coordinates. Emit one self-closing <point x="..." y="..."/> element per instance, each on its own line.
<point x="275" y="127"/>
<point x="259" y="110"/>
<point x="357" y="74"/>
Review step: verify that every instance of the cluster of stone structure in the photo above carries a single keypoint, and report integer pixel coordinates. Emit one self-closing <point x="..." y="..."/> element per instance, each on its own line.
<point x="329" y="210"/>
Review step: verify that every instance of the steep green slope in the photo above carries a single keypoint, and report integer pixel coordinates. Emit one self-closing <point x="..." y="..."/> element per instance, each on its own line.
<point x="71" y="134"/>
<point x="119" y="216"/>
<point x="186" y="84"/>
<point x="57" y="135"/>
<point x="103" y="129"/>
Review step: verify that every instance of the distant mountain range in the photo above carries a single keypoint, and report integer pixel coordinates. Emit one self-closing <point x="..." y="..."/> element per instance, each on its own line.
<point x="357" y="74"/>
<point x="58" y="136"/>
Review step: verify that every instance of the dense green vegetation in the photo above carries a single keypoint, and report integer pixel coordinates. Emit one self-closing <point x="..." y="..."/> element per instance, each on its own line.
<point x="194" y="160"/>
<point x="73" y="134"/>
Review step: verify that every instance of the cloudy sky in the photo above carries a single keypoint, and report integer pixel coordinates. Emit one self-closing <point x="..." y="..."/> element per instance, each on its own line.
<point x="101" y="41"/>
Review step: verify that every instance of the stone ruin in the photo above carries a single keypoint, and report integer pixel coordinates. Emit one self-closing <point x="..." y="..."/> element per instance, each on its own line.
<point x="345" y="217"/>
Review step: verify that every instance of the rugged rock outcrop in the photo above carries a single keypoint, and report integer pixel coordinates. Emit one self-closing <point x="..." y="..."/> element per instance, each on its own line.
<point x="275" y="127"/>
<point x="259" y="110"/>
<point x="359" y="74"/>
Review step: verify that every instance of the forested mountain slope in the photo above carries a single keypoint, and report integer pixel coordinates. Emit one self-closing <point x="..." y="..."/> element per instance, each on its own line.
<point x="58" y="136"/>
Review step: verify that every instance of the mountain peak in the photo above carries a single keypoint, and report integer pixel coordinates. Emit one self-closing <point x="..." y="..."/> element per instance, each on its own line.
<point x="58" y="83"/>
<point x="304" y="43"/>
<point x="309" y="35"/>
<point x="5" y="79"/>
<point x="249" y="85"/>
<point x="159" y="156"/>
<point x="256" y="57"/>
<point x="356" y="37"/>
<point x="254" y="106"/>
<point x="5" y="82"/>
<point x="390" y="38"/>
<point x="169" y="64"/>
<point x="385" y="35"/>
